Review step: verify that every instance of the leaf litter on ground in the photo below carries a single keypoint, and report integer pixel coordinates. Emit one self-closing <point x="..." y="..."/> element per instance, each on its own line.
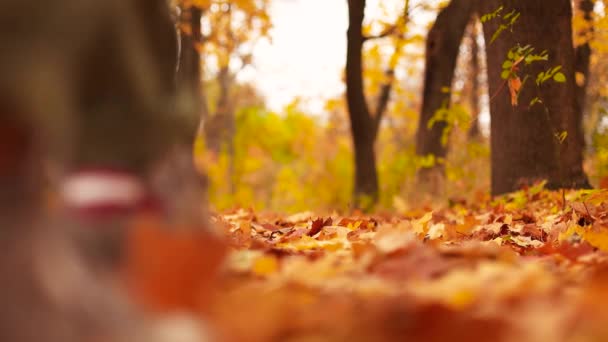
<point x="524" y="267"/>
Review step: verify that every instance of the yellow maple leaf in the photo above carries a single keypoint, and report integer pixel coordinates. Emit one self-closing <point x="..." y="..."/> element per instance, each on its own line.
<point x="596" y="236"/>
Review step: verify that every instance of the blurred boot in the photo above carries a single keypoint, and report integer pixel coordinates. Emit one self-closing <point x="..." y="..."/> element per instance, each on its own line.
<point x="49" y="291"/>
<point x="131" y="149"/>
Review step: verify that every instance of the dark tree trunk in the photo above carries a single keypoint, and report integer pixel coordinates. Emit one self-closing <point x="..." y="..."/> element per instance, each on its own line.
<point x="523" y="142"/>
<point x="189" y="74"/>
<point x="583" y="53"/>
<point x="219" y="128"/>
<point x="362" y="124"/>
<point x="442" y="47"/>
<point x="192" y="94"/>
<point x="475" y="71"/>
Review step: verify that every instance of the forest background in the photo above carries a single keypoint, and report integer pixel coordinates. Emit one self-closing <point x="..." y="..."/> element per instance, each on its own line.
<point x="264" y="149"/>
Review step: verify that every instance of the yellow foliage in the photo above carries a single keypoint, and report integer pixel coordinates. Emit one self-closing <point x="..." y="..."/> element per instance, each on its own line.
<point x="595" y="236"/>
<point x="229" y="26"/>
<point x="265" y="265"/>
<point x="421" y="226"/>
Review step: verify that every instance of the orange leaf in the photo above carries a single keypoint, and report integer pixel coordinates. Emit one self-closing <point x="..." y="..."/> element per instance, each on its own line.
<point x="169" y="269"/>
<point x="514" y="89"/>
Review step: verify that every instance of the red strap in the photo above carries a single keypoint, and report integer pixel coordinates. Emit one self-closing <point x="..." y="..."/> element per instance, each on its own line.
<point x="106" y="193"/>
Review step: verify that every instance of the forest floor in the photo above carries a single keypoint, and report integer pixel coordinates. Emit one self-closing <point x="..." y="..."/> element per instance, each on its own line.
<point x="528" y="267"/>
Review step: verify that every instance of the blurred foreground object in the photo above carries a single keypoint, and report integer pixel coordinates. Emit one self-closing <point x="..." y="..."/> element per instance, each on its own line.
<point x="171" y="269"/>
<point x="129" y="122"/>
<point x="132" y="142"/>
<point x="48" y="293"/>
<point x="83" y="86"/>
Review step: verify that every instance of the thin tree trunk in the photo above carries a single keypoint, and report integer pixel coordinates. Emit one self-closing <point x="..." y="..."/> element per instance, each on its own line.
<point x="189" y="74"/>
<point x="219" y="128"/>
<point x="582" y="66"/>
<point x="583" y="53"/>
<point x="442" y="47"/>
<point x="386" y="89"/>
<point x="362" y="124"/>
<point x="523" y="142"/>
<point x="475" y="71"/>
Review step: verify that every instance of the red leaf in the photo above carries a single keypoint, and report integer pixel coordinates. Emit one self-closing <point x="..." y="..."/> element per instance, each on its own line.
<point x="317" y="225"/>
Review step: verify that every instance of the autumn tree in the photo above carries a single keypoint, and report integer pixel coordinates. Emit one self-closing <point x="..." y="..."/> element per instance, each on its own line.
<point x="362" y="123"/>
<point x="218" y="37"/>
<point x="535" y="128"/>
<point x="590" y="31"/>
<point x="365" y="122"/>
<point x="442" y="47"/>
<point x="189" y="68"/>
<point x="217" y="41"/>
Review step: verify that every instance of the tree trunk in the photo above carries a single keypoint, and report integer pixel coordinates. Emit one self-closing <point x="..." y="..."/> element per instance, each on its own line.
<point x="219" y="128"/>
<point x="362" y="124"/>
<point x="442" y="47"/>
<point x="582" y="66"/>
<point x="475" y="71"/>
<point x="523" y="142"/>
<point x="583" y="54"/>
<point x="189" y="74"/>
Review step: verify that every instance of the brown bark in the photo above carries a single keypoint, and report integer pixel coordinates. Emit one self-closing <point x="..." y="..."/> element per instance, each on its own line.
<point x="189" y="74"/>
<point x="583" y="53"/>
<point x="384" y="97"/>
<point x="219" y="128"/>
<point x="475" y="71"/>
<point x="362" y="123"/>
<point x="442" y="47"/>
<point x="523" y="143"/>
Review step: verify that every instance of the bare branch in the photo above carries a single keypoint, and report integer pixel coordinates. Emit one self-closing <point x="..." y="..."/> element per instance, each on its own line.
<point x="387" y="32"/>
<point x="383" y="100"/>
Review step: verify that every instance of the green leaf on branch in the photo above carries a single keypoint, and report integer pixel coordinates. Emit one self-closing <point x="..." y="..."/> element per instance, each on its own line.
<point x="559" y="77"/>
<point x="561" y="136"/>
<point x="492" y="15"/>
<point x="496" y="34"/>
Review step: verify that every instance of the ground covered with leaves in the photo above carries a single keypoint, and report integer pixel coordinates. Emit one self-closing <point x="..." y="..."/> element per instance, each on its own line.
<point x="530" y="266"/>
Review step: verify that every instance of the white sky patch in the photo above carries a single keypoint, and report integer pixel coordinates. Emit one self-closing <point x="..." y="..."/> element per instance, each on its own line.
<point x="306" y="56"/>
<point x="307" y="52"/>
